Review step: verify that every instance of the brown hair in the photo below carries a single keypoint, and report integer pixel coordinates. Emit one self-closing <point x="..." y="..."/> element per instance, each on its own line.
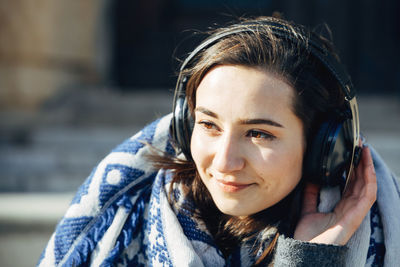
<point x="316" y="93"/>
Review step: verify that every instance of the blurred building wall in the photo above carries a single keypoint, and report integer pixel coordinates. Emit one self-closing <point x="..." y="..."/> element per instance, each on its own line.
<point x="45" y="45"/>
<point x="366" y="33"/>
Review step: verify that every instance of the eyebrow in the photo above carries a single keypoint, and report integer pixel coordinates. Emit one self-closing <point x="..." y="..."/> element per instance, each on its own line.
<point x="242" y="121"/>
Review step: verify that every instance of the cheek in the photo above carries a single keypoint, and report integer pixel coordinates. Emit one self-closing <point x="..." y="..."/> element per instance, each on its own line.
<point x="281" y="166"/>
<point x="292" y="161"/>
<point x="198" y="150"/>
<point x="292" y="169"/>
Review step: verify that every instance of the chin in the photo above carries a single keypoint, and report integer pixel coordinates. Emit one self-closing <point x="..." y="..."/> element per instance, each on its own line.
<point x="235" y="210"/>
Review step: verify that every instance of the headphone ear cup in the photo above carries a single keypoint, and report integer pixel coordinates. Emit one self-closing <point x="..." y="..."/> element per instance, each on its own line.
<point x="188" y="122"/>
<point x="313" y="157"/>
<point x="328" y="154"/>
<point x="182" y="126"/>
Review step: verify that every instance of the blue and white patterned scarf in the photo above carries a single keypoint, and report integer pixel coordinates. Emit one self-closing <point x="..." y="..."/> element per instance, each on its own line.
<point x="120" y="216"/>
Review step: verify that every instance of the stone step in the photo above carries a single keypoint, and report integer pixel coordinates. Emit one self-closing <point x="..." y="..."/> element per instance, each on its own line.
<point x="56" y="155"/>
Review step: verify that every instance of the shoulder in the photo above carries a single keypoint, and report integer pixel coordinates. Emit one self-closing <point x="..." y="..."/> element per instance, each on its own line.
<point x="125" y="166"/>
<point x="122" y="177"/>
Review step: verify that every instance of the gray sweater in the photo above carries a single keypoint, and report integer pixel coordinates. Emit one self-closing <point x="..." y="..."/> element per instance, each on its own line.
<point x="291" y="252"/>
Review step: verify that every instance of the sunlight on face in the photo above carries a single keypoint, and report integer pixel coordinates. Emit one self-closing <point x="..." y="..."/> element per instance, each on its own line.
<point x="247" y="143"/>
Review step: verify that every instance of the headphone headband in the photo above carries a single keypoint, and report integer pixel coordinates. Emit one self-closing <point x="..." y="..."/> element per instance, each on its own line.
<point x="283" y="31"/>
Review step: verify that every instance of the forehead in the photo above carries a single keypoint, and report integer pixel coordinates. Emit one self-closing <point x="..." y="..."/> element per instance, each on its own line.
<point x="233" y="89"/>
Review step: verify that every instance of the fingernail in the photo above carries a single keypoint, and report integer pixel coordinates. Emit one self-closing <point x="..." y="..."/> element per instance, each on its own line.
<point x="373" y="167"/>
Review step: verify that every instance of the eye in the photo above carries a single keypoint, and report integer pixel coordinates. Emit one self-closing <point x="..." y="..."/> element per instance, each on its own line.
<point x="208" y="125"/>
<point x="260" y="135"/>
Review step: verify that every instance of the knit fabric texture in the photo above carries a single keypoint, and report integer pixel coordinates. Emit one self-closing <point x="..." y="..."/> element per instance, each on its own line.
<point x="121" y="216"/>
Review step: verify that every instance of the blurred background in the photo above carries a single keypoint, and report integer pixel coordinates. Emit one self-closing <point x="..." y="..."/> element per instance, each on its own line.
<point x="79" y="77"/>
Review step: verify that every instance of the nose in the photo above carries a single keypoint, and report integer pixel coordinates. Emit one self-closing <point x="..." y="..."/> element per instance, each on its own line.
<point x="228" y="157"/>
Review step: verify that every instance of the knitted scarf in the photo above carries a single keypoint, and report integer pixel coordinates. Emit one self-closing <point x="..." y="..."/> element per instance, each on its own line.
<point x="120" y="216"/>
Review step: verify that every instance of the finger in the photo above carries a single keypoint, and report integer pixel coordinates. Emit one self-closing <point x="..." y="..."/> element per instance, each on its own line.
<point x="349" y="188"/>
<point x="361" y="174"/>
<point x="369" y="164"/>
<point x="310" y="198"/>
<point x="361" y="194"/>
<point x="365" y="173"/>
<point x="369" y="176"/>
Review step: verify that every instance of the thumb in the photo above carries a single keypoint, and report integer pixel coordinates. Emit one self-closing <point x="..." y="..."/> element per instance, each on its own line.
<point x="310" y="198"/>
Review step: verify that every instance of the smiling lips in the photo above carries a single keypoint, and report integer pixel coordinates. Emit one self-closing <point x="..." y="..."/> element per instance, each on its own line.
<point x="231" y="187"/>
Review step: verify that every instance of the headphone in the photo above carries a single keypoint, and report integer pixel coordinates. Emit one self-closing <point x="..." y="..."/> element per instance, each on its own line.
<point x="333" y="151"/>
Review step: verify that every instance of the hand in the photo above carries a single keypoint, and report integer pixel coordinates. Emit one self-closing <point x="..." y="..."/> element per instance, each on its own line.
<point x="338" y="226"/>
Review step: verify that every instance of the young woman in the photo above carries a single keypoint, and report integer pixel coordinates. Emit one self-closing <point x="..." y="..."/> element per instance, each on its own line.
<point x="257" y="165"/>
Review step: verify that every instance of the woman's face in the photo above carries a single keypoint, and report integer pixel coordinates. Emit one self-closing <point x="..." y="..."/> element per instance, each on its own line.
<point x="247" y="143"/>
